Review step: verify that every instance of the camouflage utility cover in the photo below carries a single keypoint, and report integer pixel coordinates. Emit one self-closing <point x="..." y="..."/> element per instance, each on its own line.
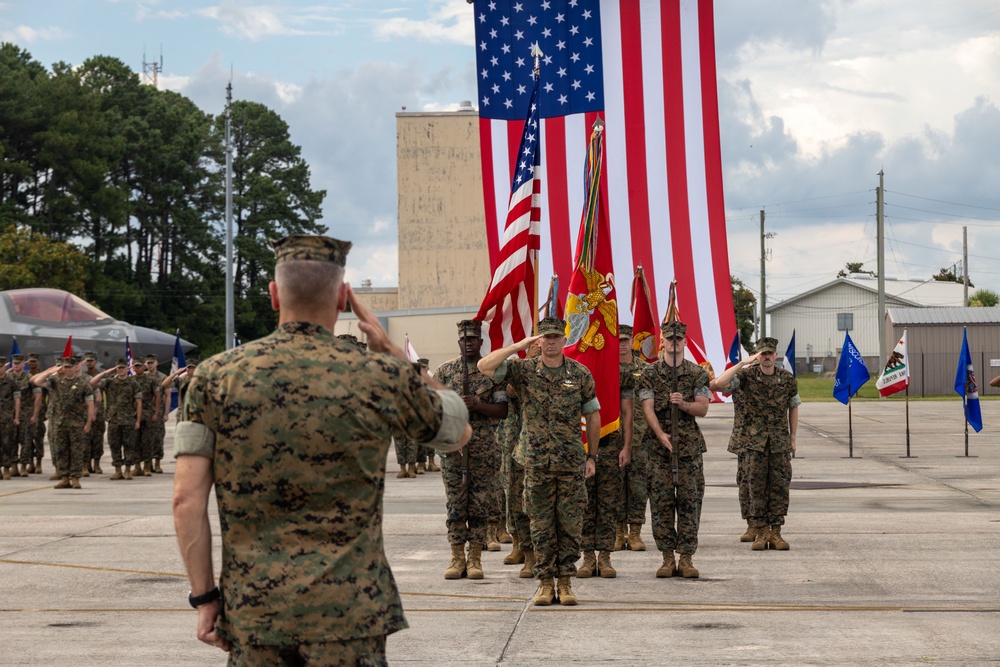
<point x="302" y="423"/>
<point x="656" y="381"/>
<point x="763" y="402"/>
<point x="552" y="402"/>
<point x="120" y="395"/>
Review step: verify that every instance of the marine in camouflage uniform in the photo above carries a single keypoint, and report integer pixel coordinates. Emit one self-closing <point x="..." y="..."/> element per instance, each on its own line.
<point x="470" y="474"/>
<point x="736" y="447"/>
<point x="22" y="432"/>
<point x="768" y="397"/>
<point x="39" y="410"/>
<point x="676" y="518"/>
<point x="180" y="380"/>
<point x="97" y="430"/>
<point x="146" y="436"/>
<point x="74" y="418"/>
<point x="161" y="412"/>
<point x="512" y="478"/>
<point x="124" y="405"/>
<point x="52" y="408"/>
<point x="632" y="514"/>
<point x="554" y="392"/>
<point x="10" y="411"/>
<point x="304" y="579"/>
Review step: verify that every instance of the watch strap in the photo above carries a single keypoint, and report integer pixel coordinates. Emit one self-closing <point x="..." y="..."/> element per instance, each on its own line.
<point x="198" y="600"/>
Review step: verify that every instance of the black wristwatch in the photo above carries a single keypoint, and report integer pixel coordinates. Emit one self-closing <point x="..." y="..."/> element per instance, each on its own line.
<point x="592" y="456"/>
<point x="198" y="600"/>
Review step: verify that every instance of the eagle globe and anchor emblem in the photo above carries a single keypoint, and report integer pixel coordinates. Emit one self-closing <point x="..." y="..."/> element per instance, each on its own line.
<point x="583" y="330"/>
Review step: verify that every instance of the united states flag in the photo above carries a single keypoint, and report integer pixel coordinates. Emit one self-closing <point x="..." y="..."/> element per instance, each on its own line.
<point x="508" y="311"/>
<point x="647" y="67"/>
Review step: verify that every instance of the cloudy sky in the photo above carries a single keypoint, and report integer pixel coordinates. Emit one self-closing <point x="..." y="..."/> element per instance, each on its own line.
<point x="815" y="97"/>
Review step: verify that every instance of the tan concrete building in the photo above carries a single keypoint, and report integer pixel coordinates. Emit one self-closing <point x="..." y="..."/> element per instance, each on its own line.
<point x="444" y="267"/>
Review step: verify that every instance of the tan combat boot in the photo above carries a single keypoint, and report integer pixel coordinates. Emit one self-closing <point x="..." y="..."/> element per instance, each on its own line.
<point x="13" y="471"/>
<point x="586" y="570"/>
<point x="127" y="472"/>
<point x="85" y="473"/>
<point x="546" y="593"/>
<point x="24" y="470"/>
<point x="516" y="556"/>
<point x="402" y="472"/>
<point x="74" y="482"/>
<point x="473" y="562"/>
<point x="147" y="469"/>
<point x="31" y="467"/>
<point x="421" y="469"/>
<point x="775" y="540"/>
<point x="430" y="464"/>
<point x="156" y="466"/>
<point x="668" y="569"/>
<point x="137" y="470"/>
<point x="411" y="470"/>
<point x="761" y="540"/>
<point x="527" y="570"/>
<point x="604" y="566"/>
<point x="97" y="467"/>
<point x="620" y="544"/>
<point x="6" y="472"/>
<point x="117" y="475"/>
<point x="566" y="596"/>
<point x="492" y="543"/>
<point x="38" y="467"/>
<point x="750" y="535"/>
<point x="457" y="567"/>
<point x="63" y="483"/>
<point x="54" y="476"/>
<point x="503" y="537"/>
<point x="635" y="542"/>
<point x="686" y="568"/>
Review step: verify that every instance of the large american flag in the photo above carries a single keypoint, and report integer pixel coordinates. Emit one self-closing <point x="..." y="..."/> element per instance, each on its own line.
<point x="647" y="67"/>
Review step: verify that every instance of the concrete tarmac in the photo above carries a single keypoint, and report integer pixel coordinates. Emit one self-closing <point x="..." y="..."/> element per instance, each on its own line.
<point x="893" y="561"/>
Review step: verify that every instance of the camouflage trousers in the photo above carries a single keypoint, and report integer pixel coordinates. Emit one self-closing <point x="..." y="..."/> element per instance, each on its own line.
<point x="422" y="453"/>
<point x="769" y="475"/>
<point x="676" y="520"/>
<point x="363" y="652"/>
<point x="406" y="450"/>
<point x="22" y="439"/>
<point x="123" y="443"/>
<point x="633" y="508"/>
<point x="147" y="440"/>
<point x="555" y="501"/>
<point x="96" y="440"/>
<point x="605" y="492"/>
<point x="8" y="441"/>
<point x="53" y="443"/>
<point x="160" y="434"/>
<point x="512" y="474"/>
<point x="36" y="446"/>
<point x="70" y="448"/>
<point x="498" y="500"/>
<point x="468" y="504"/>
<point x="743" y="484"/>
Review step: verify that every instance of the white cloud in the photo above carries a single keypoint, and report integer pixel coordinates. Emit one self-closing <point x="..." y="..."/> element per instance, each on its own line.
<point x="380" y="265"/>
<point x="449" y="21"/>
<point x="256" y="22"/>
<point x="24" y="34"/>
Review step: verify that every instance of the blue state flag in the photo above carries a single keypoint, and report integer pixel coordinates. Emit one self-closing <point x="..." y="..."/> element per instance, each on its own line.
<point x="851" y="372"/>
<point x="788" y="363"/>
<point x="965" y="385"/>
<point x="177" y="363"/>
<point x="13" y="350"/>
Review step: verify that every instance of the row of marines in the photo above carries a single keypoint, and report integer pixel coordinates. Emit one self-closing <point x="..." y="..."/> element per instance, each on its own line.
<point x="525" y="414"/>
<point x="79" y="404"/>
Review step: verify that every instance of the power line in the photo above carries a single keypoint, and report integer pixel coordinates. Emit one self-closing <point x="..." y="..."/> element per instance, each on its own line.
<point x="942" y="201"/>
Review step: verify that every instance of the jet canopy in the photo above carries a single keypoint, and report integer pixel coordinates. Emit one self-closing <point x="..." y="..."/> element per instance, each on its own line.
<point x="52" y="305"/>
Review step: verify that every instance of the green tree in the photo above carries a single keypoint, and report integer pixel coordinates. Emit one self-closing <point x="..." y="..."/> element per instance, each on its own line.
<point x="745" y="304"/>
<point x="31" y="259"/>
<point x="949" y="275"/>
<point x="854" y="267"/>
<point x="984" y="298"/>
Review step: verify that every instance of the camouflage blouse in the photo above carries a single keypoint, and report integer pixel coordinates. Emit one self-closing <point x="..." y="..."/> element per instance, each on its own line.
<point x="762" y="403"/>
<point x="655" y="384"/>
<point x="301" y="423"/>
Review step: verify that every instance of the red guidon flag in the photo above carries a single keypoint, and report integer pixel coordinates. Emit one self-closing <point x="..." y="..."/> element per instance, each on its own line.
<point x="591" y="301"/>
<point x="645" y="333"/>
<point x="896" y="375"/>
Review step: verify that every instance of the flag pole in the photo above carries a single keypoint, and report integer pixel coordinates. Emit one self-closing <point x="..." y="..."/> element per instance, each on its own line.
<point x="907" y="423"/>
<point x="537" y="53"/>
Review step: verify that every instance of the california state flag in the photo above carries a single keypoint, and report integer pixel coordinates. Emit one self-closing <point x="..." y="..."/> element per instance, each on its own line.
<point x="896" y="374"/>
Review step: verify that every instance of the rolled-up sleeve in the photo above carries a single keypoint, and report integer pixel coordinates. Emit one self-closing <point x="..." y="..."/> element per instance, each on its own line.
<point x="454" y="417"/>
<point x="193" y="439"/>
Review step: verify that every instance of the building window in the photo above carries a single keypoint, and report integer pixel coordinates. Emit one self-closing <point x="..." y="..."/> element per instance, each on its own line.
<point x="845" y="321"/>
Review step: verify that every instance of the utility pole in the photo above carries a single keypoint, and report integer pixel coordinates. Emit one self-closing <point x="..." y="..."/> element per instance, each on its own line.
<point x="230" y="310"/>
<point x="880" y="235"/>
<point x="965" y="266"/>
<point x="763" y="277"/>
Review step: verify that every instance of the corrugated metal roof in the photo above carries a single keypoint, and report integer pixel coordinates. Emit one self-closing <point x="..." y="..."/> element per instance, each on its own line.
<point x="916" y="292"/>
<point x="939" y="315"/>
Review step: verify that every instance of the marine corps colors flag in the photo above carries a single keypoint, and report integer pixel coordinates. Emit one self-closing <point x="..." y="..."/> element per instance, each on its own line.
<point x="591" y="302"/>
<point x="896" y="375"/>
<point x="645" y="333"/>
